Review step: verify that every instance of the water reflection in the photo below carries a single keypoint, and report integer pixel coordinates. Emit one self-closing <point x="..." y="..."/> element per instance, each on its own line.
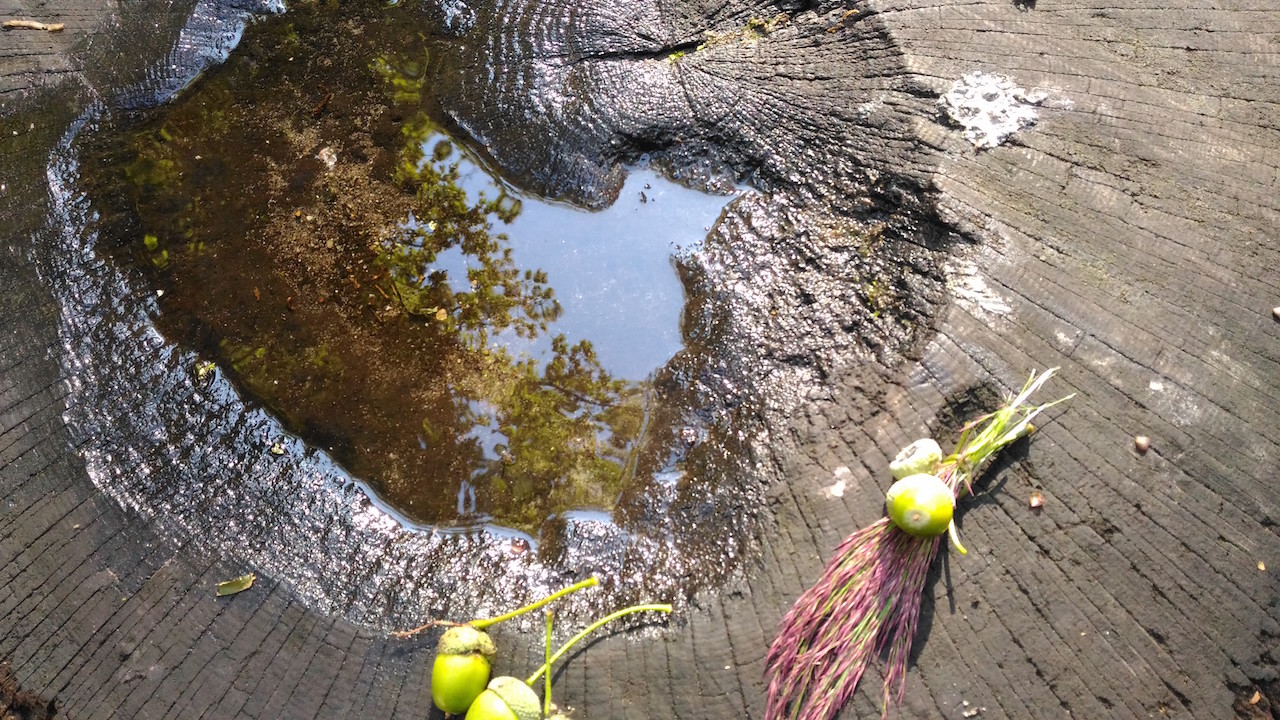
<point x="348" y="264"/>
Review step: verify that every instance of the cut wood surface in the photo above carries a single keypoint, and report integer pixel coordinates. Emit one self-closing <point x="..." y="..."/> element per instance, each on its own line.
<point x="1129" y="237"/>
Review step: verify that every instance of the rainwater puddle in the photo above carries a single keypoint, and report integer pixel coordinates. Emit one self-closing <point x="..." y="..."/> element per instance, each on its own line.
<point x="476" y="354"/>
<point x="345" y="341"/>
<point x="308" y="327"/>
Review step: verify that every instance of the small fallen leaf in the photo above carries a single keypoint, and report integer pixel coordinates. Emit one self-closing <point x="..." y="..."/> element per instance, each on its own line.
<point x="1257" y="698"/>
<point x="277" y="449"/>
<point x="1141" y="443"/>
<point x="238" y="585"/>
<point x="1262" y="566"/>
<point x="441" y="315"/>
<point x="1037" y="500"/>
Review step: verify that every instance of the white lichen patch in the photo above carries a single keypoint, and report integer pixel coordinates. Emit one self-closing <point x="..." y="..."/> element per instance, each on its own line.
<point x="990" y="108"/>
<point x="843" y="478"/>
<point x="870" y="108"/>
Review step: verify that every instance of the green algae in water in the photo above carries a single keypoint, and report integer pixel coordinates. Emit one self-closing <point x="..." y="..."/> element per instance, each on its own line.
<point x="295" y="207"/>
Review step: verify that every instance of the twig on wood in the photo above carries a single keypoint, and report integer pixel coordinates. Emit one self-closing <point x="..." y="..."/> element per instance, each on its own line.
<point x="425" y="626"/>
<point x="33" y="25"/>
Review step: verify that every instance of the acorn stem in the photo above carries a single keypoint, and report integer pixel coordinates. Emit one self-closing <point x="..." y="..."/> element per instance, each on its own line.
<point x="590" y="629"/>
<point x="482" y="624"/>
<point x="955" y="538"/>
<point x="425" y="626"/>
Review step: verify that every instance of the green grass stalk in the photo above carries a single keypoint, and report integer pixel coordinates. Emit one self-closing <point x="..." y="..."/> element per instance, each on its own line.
<point x="590" y="629"/>
<point x="546" y="693"/>
<point x="482" y="624"/>
<point x="487" y="622"/>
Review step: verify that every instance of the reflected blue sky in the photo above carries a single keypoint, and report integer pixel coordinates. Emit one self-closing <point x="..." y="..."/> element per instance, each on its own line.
<point x="613" y="270"/>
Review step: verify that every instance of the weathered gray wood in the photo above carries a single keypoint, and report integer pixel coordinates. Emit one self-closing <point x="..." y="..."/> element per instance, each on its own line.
<point x="1133" y="237"/>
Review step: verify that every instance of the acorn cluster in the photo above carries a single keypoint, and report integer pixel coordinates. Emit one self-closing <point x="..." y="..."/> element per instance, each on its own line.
<point x="919" y="502"/>
<point x="460" y="675"/>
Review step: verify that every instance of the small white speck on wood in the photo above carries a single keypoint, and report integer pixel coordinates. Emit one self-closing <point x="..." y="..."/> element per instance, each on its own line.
<point x="1141" y="443"/>
<point x="1275" y="312"/>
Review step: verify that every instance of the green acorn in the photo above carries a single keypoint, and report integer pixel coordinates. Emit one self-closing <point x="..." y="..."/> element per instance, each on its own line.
<point x="921" y="456"/>
<point x="920" y="505"/>
<point x="461" y="668"/>
<point x="506" y="698"/>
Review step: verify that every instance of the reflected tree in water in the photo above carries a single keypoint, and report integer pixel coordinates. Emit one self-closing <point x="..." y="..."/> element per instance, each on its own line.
<point x="321" y="291"/>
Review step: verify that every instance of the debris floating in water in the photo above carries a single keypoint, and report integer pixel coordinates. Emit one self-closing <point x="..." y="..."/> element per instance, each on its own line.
<point x="204" y="370"/>
<point x="990" y="108"/>
<point x="328" y="156"/>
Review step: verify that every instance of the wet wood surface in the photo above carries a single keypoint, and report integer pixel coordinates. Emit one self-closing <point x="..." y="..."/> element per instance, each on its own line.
<point x="1129" y="237"/>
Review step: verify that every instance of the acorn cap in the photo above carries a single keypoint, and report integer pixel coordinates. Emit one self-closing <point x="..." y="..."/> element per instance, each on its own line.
<point x="518" y="696"/>
<point x="466" y="640"/>
<point x="921" y="456"/>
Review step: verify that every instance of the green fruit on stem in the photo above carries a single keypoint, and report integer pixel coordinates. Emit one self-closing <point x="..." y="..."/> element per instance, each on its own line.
<point x="921" y="456"/>
<point x="490" y="707"/>
<point x="920" y="505"/>
<point x="506" y="698"/>
<point x="457" y="680"/>
<point x="461" y="669"/>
